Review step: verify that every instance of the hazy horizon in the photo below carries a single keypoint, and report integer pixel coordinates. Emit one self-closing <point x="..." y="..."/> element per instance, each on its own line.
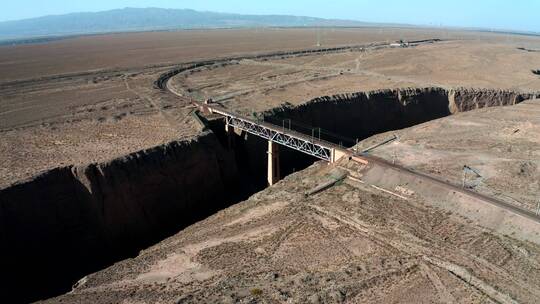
<point x="496" y="15"/>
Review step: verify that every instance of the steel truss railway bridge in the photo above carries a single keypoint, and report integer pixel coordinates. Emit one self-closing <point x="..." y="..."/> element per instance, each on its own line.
<point x="276" y="135"/>
<point x="331" y="153"/>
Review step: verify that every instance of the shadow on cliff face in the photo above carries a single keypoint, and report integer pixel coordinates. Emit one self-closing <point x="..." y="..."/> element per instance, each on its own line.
<point x="71" y="221"/>
<point x="251" y="156"/>
<point x="356" y="116"/>
<point x="50" y="236"/>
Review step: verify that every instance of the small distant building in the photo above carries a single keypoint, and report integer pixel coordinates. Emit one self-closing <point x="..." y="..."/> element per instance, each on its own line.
<point x="400" y="43"/>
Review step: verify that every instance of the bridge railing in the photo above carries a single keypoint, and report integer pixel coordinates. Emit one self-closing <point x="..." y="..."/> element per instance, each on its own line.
<point x="286" y="138"/>
<point x="319" y="148"/>
<point x="315" y="132"/>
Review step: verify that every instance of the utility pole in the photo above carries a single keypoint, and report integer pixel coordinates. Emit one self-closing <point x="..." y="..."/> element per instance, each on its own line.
<point x="464" y="178"/>
<point x="283" y="123"/>
<point x="467" y="168"/>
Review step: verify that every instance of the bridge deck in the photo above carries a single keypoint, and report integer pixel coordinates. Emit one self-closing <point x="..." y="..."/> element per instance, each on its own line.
<point x="301" y="142"/>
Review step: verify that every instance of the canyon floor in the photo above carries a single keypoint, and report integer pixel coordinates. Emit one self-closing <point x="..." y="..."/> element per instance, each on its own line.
<point x="355" y="242"/>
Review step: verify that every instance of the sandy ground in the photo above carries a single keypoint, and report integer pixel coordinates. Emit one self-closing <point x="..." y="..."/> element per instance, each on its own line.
<point x="39" y="149"/>
<point x="351" y="243"/>
<point x="502" y="144"/>
<point x="137" y="50"/>
<point x="45" y="124"/>
<point x="49" y="109"/>
<point x="258" y="85"/>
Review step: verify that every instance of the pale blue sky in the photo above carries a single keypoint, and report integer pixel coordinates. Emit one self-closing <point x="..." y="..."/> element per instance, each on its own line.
<point x="498" y="14"/>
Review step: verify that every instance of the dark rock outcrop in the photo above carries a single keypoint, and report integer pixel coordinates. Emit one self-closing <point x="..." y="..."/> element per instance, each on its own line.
<point x="463" y="99"/>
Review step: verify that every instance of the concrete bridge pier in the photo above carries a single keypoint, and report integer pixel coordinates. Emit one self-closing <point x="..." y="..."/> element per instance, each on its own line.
<point x="229" y="130"/>
<point x="273" y="163"/>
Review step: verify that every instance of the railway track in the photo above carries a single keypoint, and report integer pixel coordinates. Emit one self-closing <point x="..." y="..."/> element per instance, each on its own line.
<point x="487" y="199"/>
<point x="161" y="82"/>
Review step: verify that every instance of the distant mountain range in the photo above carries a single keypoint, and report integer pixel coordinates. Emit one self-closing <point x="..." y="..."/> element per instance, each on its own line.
<point x="149" y="19"/>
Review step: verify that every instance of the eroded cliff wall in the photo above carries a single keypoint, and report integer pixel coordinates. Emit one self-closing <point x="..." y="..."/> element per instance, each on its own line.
<point x="363" y="114"/>
<point x="70" y="221"/>
<point x="466" y="99"/>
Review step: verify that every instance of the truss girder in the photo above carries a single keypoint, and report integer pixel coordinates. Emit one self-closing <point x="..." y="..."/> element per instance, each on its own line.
<point x="285" y="137"/>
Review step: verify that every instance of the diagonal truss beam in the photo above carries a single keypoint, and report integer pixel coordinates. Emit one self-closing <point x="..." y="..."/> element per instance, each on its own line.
<point x="286" y="138"/>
